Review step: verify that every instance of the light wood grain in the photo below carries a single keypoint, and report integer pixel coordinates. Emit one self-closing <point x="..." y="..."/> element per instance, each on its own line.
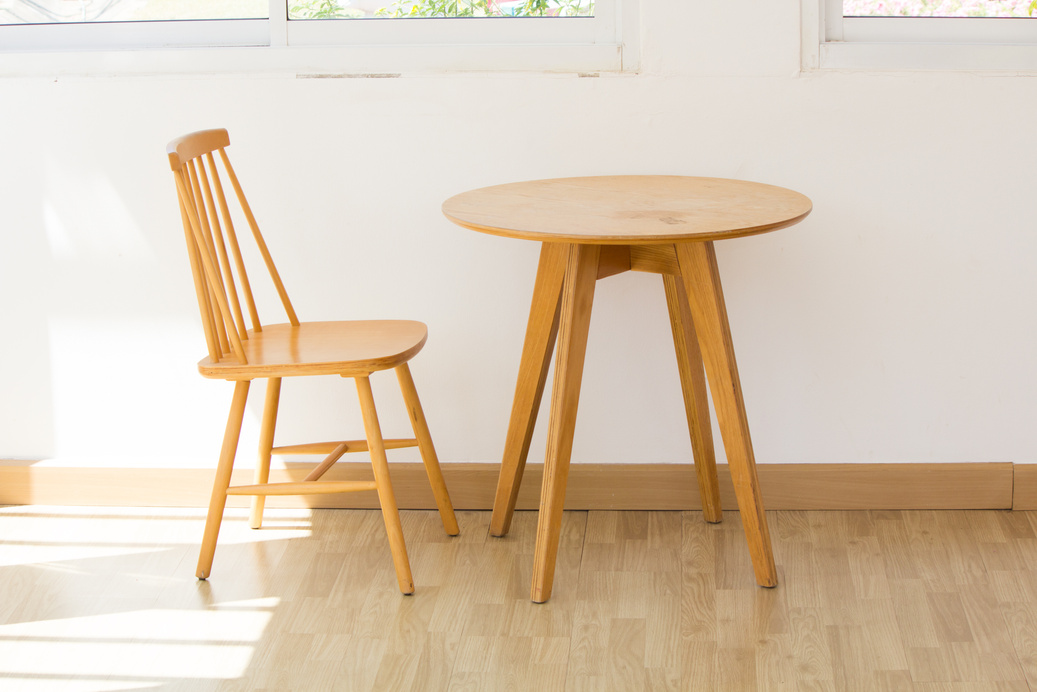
<point x="261" y="245"/>
<point x="302" y="488"/>
<point x="322" y="348"/>
<point x="328" y="462"/>
<point x="627" y="209"/>
<point x="696" y="398"/>
<point x="701" y="280"/>
<point x="1025" y="486"/>
<point x="266" y="445"/>
<point x="577" y="299"/>
<point x="656" y="259"/>
<point x="591" y="486"/>
<point x="612" y="260"/>
<point x="191" y="146"/>
<point x="240" y="354"/>
<point x="383" y="482"/>
<point x="212" y="295"/>
<point x="640" y="606"/>
<point x="350" y="445"/>
<point x="541" y="332"/>
<point x="428" y="451"/>
<point x="614" y="224"/>
<point x="222" y="480"/>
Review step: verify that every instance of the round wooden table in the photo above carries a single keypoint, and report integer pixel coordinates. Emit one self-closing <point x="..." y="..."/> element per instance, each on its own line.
<point x="596" y="227"/>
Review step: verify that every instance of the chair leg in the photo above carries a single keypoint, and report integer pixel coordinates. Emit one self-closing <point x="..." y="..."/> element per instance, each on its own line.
<point x="266" y="443"/>
<point x="428" y="451"/>
<point x="222" y="481"/>
<point x="390" y="513"/>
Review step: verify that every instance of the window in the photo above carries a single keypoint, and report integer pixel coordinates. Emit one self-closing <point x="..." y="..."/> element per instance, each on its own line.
<point x="27" y="25"/>
<point x="65" y="11"/>
<point x="920" y="34"/>
<point x="576" y="35"/>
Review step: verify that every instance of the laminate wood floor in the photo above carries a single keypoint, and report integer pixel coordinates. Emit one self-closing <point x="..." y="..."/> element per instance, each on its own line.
<point x="105" y="599"/>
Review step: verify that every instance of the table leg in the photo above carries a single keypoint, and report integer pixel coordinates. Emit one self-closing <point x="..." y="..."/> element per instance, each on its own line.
<point x="577" y="297"/>
<point x="541" y="331"/>
<point x="698" y="266"/>
<point x="696" y="400"/>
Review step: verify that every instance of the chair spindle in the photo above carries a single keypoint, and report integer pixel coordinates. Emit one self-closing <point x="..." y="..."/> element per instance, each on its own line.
<point x="232" y="240"/>
<point x="260" y="243"/>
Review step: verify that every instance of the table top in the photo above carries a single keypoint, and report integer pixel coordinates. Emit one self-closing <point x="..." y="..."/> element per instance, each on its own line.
<point x="627" y="209"/>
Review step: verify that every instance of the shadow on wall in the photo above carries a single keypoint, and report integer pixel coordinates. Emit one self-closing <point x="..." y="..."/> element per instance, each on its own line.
<point x="106" y="341"/>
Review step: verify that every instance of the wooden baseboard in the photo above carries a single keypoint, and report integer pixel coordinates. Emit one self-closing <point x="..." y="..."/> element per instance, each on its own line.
<point x="1024" y="492"/>
<point x="591" y="486"/>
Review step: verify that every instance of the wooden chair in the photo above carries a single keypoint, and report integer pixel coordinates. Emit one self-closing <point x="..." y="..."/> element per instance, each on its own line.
<point x="274" y="351"/>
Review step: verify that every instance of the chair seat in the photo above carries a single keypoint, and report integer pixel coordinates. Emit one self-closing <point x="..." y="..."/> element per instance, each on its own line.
<point x="322" y="348"/>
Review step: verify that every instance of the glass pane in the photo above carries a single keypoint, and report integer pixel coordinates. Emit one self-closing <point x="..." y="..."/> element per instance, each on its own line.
<point x="360" y="9"/>
<point x="62" y="11"/>
<point x="936" y="8"/>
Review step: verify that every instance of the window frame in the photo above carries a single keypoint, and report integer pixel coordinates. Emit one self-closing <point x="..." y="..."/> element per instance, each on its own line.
<point x="832" y="41"/>
<point x="607" y="42"/>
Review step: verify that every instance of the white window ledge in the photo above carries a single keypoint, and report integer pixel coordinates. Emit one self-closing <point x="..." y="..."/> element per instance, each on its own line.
<point x="830" y="41"/>
<point x="927" y="56"/>
<point x="322" y="61"/>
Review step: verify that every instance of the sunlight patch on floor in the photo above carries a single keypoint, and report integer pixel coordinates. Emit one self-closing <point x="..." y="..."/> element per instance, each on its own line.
<point x="213" y="626"/>
<point x="29" y="534"/>
<point x="22" y="684"/>
<point x="94" y="597"/>
<point x="124" y="659"/>
<point x="41" y="554"/>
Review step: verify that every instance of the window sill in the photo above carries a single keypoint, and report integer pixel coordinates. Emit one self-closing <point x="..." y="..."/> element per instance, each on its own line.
<point x="989" y="46"/>
<point x="322" y="61"/>
<point x="927" y="56"/>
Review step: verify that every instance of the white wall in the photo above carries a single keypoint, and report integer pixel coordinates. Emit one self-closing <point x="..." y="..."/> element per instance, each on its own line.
<point x="897" y="323"/>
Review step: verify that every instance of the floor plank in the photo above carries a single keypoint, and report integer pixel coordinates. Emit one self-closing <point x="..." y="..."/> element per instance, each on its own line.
<point x="98" y="599"/>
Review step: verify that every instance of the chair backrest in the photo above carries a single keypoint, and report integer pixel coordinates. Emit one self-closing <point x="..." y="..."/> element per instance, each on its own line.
<point x="218" y="275"/>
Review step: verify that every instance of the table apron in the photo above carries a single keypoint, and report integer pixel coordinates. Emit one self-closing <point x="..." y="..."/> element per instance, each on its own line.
<point x="654" y="259"/>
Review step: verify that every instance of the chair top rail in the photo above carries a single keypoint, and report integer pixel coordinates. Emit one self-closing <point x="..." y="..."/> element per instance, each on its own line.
<point x="193" y="145"/>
